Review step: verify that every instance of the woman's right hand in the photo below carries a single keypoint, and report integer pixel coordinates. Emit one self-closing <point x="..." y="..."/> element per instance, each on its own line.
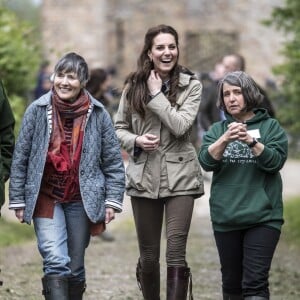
<point x="148" y="142"/>
<point x="20" y="214"/>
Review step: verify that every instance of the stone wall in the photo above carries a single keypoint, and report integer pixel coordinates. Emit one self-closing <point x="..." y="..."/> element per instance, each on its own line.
<point x="111" y="32"/>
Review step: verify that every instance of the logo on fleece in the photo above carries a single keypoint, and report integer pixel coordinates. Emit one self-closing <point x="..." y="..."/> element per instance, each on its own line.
<point x="238" y="152"/>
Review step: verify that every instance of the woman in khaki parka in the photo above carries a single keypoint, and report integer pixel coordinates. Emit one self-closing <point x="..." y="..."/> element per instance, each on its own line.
<point x="154" y="121"/>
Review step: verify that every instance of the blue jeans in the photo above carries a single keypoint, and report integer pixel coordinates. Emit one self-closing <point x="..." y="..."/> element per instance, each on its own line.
<point x="63" y="239"/>
<point x="246" y="257"/>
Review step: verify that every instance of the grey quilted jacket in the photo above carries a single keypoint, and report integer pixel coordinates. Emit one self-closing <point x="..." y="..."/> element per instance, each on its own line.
<point x="101" y="170"/>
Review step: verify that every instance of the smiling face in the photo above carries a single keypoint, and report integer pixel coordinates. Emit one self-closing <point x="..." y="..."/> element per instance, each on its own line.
<point x="164" y="54"/>
<point x="67" y="85"/>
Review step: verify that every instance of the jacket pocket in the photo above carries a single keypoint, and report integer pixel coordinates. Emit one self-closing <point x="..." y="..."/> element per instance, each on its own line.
<point x="183" y="171"/>
<point x="135" y="171"/>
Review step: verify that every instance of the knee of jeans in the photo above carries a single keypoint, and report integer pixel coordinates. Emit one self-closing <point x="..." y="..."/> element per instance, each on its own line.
<point x="56" y="265"/>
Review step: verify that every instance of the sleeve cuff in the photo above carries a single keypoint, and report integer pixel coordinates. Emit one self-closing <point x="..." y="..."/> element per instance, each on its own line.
<point x="114" y="204"/>
<point x="16" y="206"/>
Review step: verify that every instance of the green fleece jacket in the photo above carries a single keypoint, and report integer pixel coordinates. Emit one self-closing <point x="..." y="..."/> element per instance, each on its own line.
<point x="7" y="140"/>
<point x="246" y="190"/>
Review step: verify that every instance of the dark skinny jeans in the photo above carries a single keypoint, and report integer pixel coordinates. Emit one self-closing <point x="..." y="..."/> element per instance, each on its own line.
<point x="246" y="257"/>
<point x="148" y="217"/>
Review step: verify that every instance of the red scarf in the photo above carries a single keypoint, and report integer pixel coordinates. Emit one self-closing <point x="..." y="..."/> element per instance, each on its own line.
<point x="62" y="158"/>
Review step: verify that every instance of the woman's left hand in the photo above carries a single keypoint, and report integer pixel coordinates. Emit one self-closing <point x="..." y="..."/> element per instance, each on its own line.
<point x="109" y="214"/>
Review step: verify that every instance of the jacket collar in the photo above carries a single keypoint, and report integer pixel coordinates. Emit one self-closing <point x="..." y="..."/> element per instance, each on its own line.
<point x="184" y="79"/>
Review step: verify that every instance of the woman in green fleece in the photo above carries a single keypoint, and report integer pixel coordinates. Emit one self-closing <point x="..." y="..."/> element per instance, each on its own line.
<point x="245" y="152"/>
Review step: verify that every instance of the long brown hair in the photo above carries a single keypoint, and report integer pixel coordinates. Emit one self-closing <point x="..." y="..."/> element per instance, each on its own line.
<point x="137" y="90"/>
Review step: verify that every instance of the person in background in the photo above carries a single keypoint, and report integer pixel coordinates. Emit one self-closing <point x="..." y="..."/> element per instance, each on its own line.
<point x="67" y="176"/>
<point x="236" y="62"/>
<point x="208" y="111"/>
<point x="98" y="86"/>
<point x="245" y="152"/>
<point x="43" y="84"/>
<point x="7" y="142"/>
<point x="157" y="109"/>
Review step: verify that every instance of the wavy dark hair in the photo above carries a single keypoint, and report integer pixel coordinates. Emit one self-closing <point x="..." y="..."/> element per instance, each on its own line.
<point x="73" y="62"/>
<point x="249" y="87"/>
<point x="136" y="82"/>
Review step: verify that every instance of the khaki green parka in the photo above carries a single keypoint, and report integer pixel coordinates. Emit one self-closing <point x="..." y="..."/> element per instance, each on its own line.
<point x="173" y="169"/>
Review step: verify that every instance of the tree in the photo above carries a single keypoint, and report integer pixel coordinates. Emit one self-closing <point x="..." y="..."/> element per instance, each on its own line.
<point x="19" y="59"/>
<point x="19" y="56"/>
<point x="287" y="19"/>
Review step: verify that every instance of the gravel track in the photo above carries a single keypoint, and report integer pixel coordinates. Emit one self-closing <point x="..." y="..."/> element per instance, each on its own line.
<point x="111" y="265"/>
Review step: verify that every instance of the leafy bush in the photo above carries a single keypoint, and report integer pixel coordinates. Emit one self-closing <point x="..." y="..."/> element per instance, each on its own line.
<point x="287" y="19"/>
<point x="18" y="106"/>
<point x="19" y="59"/>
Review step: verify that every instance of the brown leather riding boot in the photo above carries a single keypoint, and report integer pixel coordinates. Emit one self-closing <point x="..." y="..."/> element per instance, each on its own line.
<point x="179" y="279"/>
<point x="149" y="282"/>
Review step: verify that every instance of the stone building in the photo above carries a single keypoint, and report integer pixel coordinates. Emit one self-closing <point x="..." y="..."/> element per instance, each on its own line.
<point x="111" y="32"/>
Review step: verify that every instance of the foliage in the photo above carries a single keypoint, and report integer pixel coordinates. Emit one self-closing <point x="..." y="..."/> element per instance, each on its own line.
<point x="287" y="19"/>
<point x="291" y="227"/>
<point x="18" y="106"/>
<point x="14" y="233"/>
<point x="19" y="58"/>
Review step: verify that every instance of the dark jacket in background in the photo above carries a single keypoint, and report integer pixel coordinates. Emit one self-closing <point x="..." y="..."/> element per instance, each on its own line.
<point x="7" y="140"/>
<point x="209" y="113"/>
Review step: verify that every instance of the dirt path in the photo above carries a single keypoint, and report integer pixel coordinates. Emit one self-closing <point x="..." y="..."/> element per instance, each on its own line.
<point x="111" y="266"/>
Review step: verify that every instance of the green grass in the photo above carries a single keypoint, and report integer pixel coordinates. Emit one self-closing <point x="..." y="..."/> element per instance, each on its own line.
<point x="12" y="233"/>
<point x="291" y="227"/>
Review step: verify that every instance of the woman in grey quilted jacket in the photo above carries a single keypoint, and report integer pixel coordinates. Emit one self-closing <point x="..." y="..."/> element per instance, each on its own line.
<point x="67" y="176"/>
